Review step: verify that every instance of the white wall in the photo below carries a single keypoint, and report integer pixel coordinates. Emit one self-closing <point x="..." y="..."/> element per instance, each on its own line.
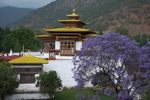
<point x="57" y="44"/>
<point x="26" y="96"/>
<point x="36" y="75"/>
<point x="18" y="76"/>
<point x="63" y="68"/>
<point x="78" y="45"/>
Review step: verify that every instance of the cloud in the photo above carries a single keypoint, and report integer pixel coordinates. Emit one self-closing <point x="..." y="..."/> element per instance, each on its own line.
<point x="26" y="3"/>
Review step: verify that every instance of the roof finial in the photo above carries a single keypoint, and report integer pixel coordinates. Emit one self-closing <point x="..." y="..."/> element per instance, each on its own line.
<point x="28" y="53"/>
<point x="73" y="11"/>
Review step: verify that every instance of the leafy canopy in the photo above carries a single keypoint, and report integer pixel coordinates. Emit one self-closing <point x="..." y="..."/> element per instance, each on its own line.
<point x="49" y="82"/>
<point x="3" y="33"/>
<point x="119" y="62"/>
<point x="122" y="30"/>
<point x="142" y="39"/>
<point x="8" y="79"/>
<point x="19" y="38"/>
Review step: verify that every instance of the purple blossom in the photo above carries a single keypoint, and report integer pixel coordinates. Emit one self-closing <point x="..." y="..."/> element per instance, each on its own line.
<point x="115" y="60"/>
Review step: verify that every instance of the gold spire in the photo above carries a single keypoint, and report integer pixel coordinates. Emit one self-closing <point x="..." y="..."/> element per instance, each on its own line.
<point x="74" y="15"/>
<point x="74" y="12"/>
<point x="28" y="53"/>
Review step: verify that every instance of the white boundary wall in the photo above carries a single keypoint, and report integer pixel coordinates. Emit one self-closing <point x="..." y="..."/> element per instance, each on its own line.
<point x="26" y="96"/>
<point x="63" y="68"/>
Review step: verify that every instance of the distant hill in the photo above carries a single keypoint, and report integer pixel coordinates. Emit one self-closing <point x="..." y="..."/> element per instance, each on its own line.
<point x="102" y="15"/>
<point x="9" y="15"/>
<point x="3" y="5"/>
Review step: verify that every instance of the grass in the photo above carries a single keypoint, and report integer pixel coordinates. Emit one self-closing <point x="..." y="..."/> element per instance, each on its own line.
<point x="70" y="94"/>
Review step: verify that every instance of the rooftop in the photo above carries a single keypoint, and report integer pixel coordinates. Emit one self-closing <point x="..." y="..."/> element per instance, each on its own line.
<point x="69" y="30"/>
<point x="8" y="58"/>
<point x="72" y="20"/>
<point x="28" y="59"/>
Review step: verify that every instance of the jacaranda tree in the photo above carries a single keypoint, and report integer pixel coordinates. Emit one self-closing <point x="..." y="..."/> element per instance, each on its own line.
<point x="120" y="63"/>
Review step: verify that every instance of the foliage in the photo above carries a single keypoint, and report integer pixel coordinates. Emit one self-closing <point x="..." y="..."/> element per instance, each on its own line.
<point x="100" y="33"/>
<point x="142" y="39"/>
<point x="123" y="64"/>
<point x="19" y="37"/>
<point x="3" y="33"/>
<point x="146" y="94"/>
<point x="17" y="47"/>
<point x="8" y="79"/>
<point x="70" y="94"/>
<point x="122" y="30"/>
<point x="49" y="82"/>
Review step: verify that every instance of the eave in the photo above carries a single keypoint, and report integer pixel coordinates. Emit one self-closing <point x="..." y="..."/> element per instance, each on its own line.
<point x="69" y="30"/>
<point x="66" y="21"/>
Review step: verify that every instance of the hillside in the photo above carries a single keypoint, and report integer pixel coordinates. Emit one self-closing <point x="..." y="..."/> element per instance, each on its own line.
<point x="102" y="15"/>
<point x="3" y="5"/>
<point x="9" y="15"/>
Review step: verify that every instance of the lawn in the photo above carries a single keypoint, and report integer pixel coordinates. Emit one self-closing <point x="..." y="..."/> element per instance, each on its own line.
<point x="70" y="94"/>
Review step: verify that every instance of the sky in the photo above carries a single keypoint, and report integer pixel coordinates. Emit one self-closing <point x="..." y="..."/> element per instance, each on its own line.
<point x="26" y="3"/>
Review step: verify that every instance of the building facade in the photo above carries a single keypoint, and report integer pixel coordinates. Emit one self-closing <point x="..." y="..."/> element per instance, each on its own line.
<point x="68" y="40"/>
<point x="28" y="68"/>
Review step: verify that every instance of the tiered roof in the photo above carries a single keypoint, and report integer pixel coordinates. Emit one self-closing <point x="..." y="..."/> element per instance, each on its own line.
<point x="69" y="30"/>
<point x="72" y="27"/>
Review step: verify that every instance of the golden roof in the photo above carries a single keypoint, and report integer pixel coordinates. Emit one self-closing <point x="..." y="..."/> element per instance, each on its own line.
<point x="69" y="30"/>
<point x="46" y="35"/>
<point x="72" y="21"/>
<point x="28" y="59"/>
<point x="89" y="35"/>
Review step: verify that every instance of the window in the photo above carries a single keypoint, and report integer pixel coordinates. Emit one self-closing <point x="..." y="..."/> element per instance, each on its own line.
<point x="27" y="78"/>
<point x="67" y="45"/>
<point x="67" y="48"/>
<point x="28" y="69"/>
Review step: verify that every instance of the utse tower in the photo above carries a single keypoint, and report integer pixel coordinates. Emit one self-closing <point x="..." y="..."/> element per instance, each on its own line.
<point x="68" y="40"/>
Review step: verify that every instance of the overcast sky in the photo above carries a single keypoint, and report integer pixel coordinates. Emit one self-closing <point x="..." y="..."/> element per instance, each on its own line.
<point x="26" y="3"/>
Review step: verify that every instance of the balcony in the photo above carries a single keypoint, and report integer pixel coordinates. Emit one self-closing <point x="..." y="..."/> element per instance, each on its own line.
<point x="67" y="52"/>
<point x="54" y="52"/>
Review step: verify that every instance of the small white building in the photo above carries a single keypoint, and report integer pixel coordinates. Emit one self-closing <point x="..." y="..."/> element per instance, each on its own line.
<point x="28" y="68"/>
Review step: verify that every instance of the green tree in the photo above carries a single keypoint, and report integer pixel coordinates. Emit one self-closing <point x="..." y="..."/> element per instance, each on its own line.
<point x="49" y="82"/>
<point x="146" y="94"/>
<point x="3" y="33"/>
<point x="142" y="38"/>
<point x="122" y="30"/>
<point x="8" y="80"/>
<point x="24" y="36"/>
<point x="17" y="47"/>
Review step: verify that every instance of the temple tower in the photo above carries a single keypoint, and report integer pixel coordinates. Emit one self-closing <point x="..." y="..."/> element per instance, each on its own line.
<point x="67" y="40"/>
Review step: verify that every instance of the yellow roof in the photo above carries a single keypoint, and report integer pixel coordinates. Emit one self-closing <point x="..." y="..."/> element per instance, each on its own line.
<point x="46" y="35"/>
<point x="28" y="59"/>
<point x="74" y="15"/>
<point x="72" y="20"/>
<point x="69" y="30"/>
<point x="89" y="35"/>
